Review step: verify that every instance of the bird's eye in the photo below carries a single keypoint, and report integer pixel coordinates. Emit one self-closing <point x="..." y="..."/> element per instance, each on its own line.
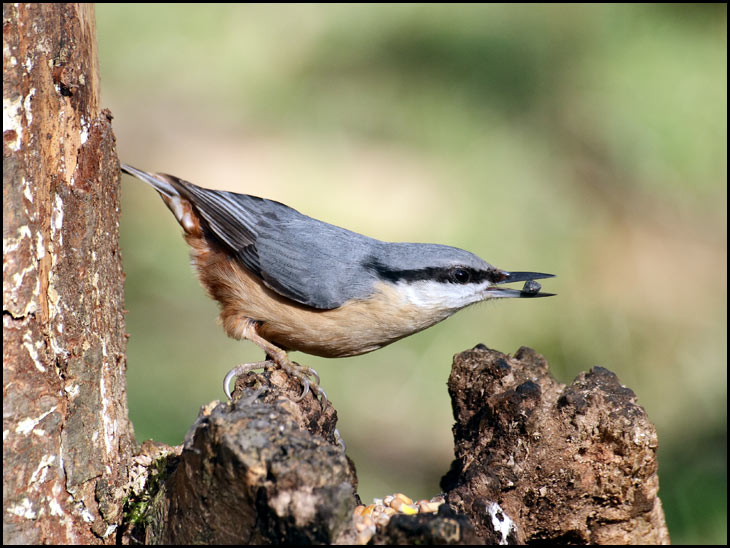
<point x="461" y="276"/>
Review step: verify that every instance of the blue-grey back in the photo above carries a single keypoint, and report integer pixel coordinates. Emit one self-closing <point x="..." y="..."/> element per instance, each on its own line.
<point x="309" y="261"/>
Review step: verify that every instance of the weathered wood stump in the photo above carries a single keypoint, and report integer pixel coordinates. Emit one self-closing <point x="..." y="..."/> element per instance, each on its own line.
<point x="535" y="461"/>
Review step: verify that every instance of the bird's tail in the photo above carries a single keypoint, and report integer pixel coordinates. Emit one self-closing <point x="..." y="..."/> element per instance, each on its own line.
<point x="172" y="191"/>
<point x="159" y="181"/>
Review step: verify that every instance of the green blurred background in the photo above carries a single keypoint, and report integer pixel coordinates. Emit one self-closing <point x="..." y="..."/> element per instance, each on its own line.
<point x="584" y="140"/>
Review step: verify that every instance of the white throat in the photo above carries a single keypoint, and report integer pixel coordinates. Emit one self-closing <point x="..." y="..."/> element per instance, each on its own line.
<point x="448" y="297"/>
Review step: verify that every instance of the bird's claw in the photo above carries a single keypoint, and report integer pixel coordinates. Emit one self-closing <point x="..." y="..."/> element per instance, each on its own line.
<point x="241" y="370"/>
<point x="305" y="389"/>
<point x="303" y="373"/>
<point x="293" y="369"/>
<point x="339" y="440"/>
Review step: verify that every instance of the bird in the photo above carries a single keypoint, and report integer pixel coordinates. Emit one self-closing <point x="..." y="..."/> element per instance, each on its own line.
<point x="289" y="282"/>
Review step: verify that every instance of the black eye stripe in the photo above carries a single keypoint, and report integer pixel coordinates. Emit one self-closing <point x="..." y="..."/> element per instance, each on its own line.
<point x="451" y="274"/>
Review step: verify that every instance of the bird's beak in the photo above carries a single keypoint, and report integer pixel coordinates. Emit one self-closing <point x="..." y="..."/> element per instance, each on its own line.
<point x="531" y="288"/>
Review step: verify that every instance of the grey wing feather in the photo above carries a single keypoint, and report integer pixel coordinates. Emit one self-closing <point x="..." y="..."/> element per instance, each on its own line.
<point x="231" y="217"/>
<point x="303" y="259"/>
<point x="315" y="263"/>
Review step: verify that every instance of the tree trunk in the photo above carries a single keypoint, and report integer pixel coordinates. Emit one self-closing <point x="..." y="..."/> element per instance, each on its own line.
<point x="67" y="437"/>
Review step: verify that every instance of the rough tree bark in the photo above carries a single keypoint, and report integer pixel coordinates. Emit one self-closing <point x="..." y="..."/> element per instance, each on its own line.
<point x="66" y="432"/>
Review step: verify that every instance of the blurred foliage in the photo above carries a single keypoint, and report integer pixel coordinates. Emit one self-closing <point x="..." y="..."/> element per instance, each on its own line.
<point x="585" y="140"/>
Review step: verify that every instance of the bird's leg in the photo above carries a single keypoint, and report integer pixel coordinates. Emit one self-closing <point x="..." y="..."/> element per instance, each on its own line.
<point x="277" y="356"/>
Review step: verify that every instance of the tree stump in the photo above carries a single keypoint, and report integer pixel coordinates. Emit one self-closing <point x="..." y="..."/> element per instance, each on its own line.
<point x="535" y="461"/>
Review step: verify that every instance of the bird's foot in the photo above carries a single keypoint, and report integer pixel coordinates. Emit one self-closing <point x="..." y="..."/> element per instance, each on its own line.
<point x="242" y="370"/>
<point x="293" y="369"/>
<point x="305" y="375"/>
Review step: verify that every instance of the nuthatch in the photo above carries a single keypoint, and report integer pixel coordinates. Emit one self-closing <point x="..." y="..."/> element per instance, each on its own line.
<point x="287" y="282"/>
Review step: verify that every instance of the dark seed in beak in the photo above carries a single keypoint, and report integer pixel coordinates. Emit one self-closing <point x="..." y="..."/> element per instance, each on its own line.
<point x="531" y="287"/>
